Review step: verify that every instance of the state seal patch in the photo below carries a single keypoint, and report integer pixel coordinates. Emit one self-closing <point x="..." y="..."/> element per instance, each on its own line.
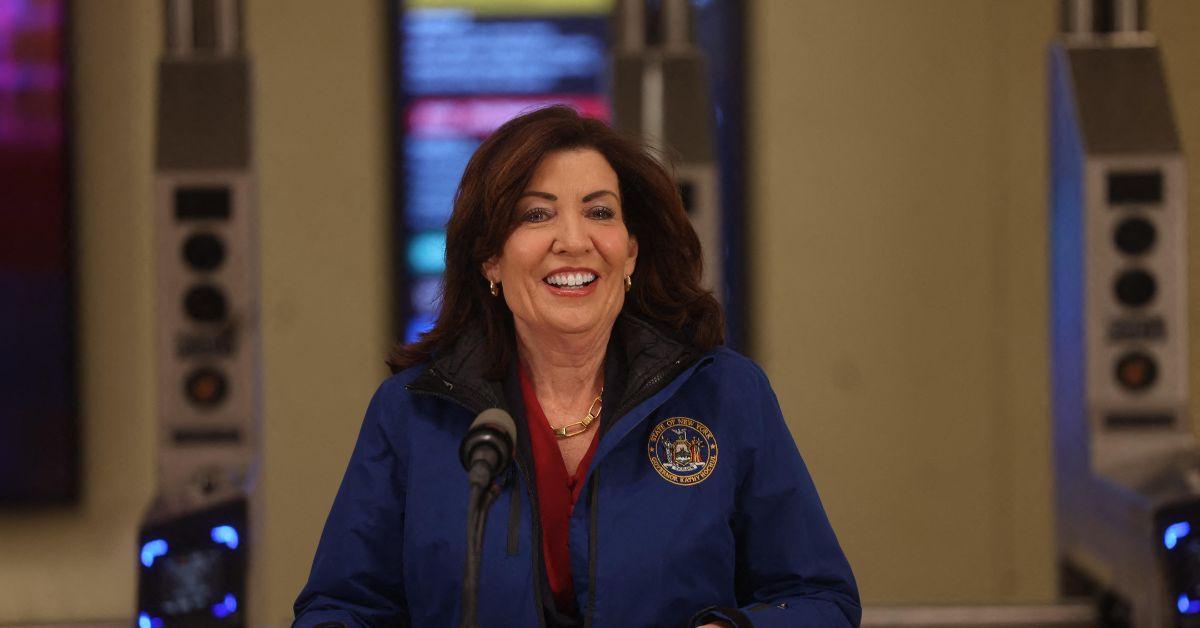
<point x="683" y="451"/>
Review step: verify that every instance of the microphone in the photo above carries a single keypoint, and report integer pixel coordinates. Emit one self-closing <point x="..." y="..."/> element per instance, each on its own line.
<point x="485" y="451"/>
<point x="487" y="448"/>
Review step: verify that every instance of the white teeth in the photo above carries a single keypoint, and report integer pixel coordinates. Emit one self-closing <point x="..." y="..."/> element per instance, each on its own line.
<point x="571" y="280"/>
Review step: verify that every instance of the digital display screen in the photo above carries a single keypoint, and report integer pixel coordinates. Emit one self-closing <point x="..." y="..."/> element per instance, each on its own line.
<point x="38" y="449"/>
<point x="466" y="68"/>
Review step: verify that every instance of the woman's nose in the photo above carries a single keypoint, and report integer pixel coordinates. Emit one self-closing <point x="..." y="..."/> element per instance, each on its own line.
<point x="572" y="236"/>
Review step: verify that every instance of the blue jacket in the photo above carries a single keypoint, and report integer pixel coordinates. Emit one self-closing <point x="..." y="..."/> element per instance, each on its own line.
<point x="697" y="505"/>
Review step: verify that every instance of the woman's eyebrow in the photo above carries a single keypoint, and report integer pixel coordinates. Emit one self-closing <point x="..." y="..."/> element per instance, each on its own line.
<point x="598" y="193"/>
<point x="590" y="197"/>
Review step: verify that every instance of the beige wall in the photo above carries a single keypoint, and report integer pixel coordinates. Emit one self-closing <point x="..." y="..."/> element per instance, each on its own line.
<point x="898" y="249"/>
<point x="900" y="292"/>
<point x="322" y="143"/>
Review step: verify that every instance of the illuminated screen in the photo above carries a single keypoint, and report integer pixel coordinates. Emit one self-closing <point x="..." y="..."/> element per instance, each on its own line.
<point x="466" y="68"/>
<point x="37" y="389"/>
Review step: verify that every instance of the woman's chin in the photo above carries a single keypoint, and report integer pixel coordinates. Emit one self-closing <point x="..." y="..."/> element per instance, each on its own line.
<point x="576" y="325"/>
<point x="571" y="328"/>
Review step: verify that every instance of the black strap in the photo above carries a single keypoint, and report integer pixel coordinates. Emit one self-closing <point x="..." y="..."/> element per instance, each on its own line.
<point x="514" y="512"/>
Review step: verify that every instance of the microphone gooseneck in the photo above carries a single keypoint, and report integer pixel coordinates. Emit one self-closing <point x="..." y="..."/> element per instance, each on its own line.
<point x="485" y="452"/>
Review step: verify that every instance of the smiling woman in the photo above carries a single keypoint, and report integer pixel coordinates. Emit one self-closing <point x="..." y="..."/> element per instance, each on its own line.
<point x="655" y="482"/>
<point x="497" y="199"/>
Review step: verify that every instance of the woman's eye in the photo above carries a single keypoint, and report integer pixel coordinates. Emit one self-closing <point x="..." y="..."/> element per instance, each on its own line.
<point x="536" y="214"/>
<point x="601" y="212"/>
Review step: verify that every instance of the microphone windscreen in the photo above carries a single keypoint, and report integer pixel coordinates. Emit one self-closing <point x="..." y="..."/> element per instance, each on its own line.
<point x="496" y="419"/>
<point x="490" y="439"/>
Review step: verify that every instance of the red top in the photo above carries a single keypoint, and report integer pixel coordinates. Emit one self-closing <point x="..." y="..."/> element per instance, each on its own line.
<point x="557" y="493"/>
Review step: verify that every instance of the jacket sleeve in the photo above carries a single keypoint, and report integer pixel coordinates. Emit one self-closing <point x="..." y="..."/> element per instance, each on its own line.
<point x="790" y="569"/>
<point x="356" y="577"/>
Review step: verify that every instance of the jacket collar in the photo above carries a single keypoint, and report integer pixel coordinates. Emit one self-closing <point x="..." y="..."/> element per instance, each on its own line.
<point x="652" y="357"/>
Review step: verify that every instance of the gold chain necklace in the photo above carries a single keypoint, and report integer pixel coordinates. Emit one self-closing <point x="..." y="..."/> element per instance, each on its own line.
<point x="582" y="425"/>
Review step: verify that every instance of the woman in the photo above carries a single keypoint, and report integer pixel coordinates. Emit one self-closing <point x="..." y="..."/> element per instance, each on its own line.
<point x="655" y="483"/>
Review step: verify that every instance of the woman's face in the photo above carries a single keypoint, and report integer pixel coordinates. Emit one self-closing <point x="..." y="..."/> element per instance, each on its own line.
<point x="562" y="270"/>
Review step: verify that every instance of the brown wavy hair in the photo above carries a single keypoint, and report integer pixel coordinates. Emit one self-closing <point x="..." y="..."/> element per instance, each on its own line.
<point x="666" y="281"/>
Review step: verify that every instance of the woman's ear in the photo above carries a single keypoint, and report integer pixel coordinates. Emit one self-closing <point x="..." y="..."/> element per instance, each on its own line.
<point x="631" y="260"/>
<point x="491" y="270"/>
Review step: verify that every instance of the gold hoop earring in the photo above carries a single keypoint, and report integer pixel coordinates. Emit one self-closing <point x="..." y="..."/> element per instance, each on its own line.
<point x="628" y="283"/>
<point x="494" y="288"/>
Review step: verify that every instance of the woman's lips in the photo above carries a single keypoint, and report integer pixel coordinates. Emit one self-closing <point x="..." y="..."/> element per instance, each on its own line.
<point x="581" y="291"/>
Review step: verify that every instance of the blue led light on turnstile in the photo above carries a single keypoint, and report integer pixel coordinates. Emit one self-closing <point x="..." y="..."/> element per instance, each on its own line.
<point x="1174" y="532"/>
<point x="225" y="535"/>
<point x="427" y="252"/>
<point x="153" y="549"/>
<point x="225" y="607"/>
<point x="146" y="621"/>
<point x="1188" y="606"/>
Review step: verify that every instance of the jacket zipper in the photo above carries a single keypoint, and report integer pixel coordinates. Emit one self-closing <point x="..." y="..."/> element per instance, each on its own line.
<point x="514" y="514"/>
<point x="535" y="541"/>
<point x="593" y="557"/>
<point x="649" y="383"/>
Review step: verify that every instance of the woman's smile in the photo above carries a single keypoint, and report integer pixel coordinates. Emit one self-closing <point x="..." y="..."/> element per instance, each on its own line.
<point x="571" y="282"/>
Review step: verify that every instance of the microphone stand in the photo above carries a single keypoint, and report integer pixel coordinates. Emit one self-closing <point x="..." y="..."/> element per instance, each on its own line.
<point x="485" y="452"/>
<point x="479" y="502"/>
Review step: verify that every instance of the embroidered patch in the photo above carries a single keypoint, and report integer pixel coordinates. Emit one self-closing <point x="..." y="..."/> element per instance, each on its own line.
<point x="683" y="451"/>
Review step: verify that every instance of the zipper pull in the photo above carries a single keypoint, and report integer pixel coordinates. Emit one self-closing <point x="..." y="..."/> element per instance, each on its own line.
<point x="447" y="384"/>
<point x="507" y="478"/>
